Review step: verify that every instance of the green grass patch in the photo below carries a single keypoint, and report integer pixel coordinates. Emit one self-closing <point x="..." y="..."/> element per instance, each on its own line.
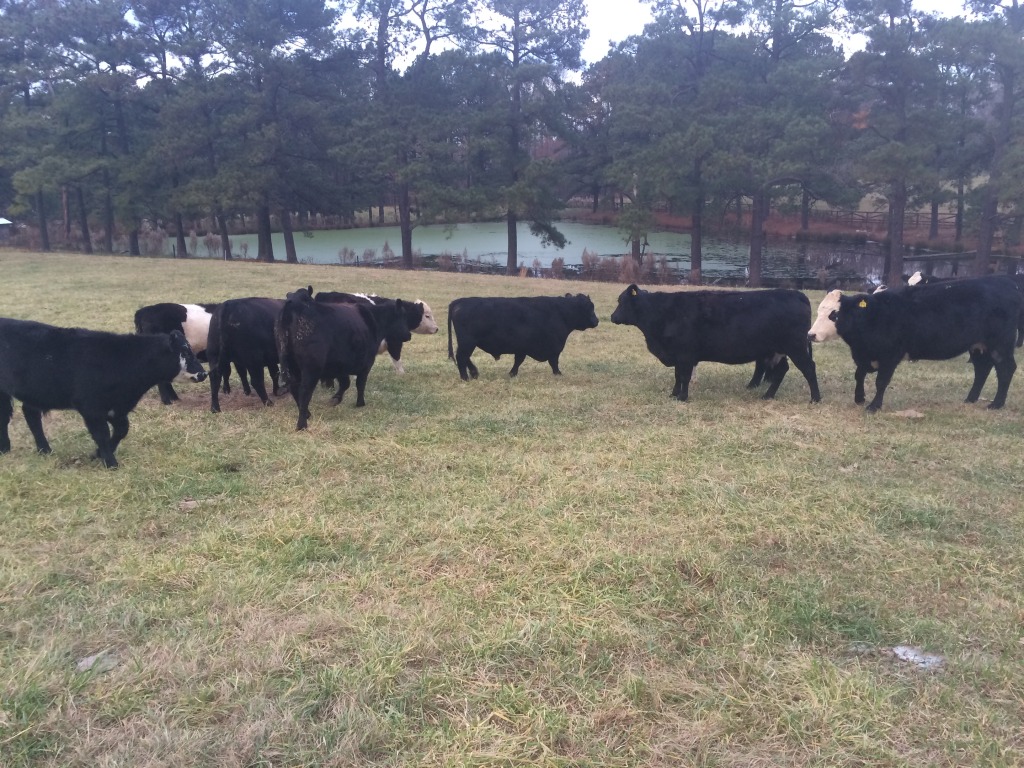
<point x="559" y="571"/>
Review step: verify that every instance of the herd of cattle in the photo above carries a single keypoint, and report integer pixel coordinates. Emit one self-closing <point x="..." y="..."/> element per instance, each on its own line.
<point x="328" y="337"/>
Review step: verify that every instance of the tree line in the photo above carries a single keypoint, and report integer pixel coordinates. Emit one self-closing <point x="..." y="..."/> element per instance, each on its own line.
<point x="118" y="117"/>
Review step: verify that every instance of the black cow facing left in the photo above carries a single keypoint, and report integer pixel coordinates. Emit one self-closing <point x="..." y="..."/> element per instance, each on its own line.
<point x="685" y="328"/>
<point x="935" y="321"/>
<point x="101" y="375"/>
<point x="529" y="326"/>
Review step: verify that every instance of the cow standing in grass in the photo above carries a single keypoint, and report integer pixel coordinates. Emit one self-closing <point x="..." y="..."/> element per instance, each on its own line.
<point x="419" y="318"/>
<point x="318" y="341"/>
<point x="101" y="375"/>
<point x="533" y="326"/>
<point x="684" y="328"/>
<point x="937" y="321"/>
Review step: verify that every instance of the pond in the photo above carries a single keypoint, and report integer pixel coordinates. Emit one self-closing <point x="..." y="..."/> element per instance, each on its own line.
<point x="484" y="245"/>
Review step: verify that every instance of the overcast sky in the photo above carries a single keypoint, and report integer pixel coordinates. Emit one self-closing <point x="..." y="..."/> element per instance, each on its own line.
<point x="618" y="19"/>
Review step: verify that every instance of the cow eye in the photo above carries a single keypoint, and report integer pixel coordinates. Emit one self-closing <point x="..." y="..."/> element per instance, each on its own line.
<point x="833" y="315"/>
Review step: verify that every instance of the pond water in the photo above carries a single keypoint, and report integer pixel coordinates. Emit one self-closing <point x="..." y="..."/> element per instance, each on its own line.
<point x="484" y="245"/>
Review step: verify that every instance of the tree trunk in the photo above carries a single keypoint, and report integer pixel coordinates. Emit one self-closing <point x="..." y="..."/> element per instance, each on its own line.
<point x="933" y="226"/>
<point x="958" y="225"/>
<point x="289" y="237"/>
<point x="108" y="216"/>
<point x="635" y="250"/>
<point x="512" y="263"/>
<point x="133" y="243"/>
<point x="897" y="216"/>
<point x="805" y="211"/>
<point x="265" y="248"/>
<point x="405" y="223"/>
<point x="44" y="231"/>
<point x="83" y="221"/>
<point x="179" y="236"/>
<point x="225" y="241"/>
<point x="696" y="236"/>
<point x="757" y="219"/>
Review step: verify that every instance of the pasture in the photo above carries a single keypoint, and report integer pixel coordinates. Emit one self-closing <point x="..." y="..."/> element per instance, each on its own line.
<point x="540" y="571"/>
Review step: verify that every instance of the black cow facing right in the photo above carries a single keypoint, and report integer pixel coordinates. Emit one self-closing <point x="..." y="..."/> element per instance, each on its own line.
<point x="101" y="375"/>
<point x="685" y="328"/>
<point x="531" y="326"/>
<point x="935" y="321"/>
<point x="318" y="341"/>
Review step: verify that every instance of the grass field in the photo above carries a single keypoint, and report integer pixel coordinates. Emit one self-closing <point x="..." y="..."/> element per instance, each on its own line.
<point x="549" y="571"/>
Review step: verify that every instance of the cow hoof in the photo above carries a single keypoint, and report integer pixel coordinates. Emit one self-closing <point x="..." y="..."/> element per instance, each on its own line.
<point x="215" y="409"/>
<point x="268" y="403"/>
<point x="45" y="450"/>
<point x="873" y="408"/>
<point x="993" y="406"/>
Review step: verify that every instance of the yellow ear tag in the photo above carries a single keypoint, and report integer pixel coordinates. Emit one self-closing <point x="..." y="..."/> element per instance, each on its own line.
<point x="863" y="304"/>
<point x="633" y="292"/>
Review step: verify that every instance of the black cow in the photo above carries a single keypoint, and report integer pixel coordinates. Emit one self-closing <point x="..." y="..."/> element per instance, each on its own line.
<point x="530" y="326"/>
<point x="193" y="320"/>
<point x="935" y="321"/>
<point x="101" y="375"/>
<point x="683" y="329"/>
<point x="921" y="279"/>
<point x="242" y="334"/>
<point x="419" y="319"/>
<point x="318" y="340"/>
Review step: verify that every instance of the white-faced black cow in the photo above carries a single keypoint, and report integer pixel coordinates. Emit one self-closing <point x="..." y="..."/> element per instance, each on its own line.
<point x="529" y="326"/>
<point x="101" y="375"/>
<point x="319" y="340"/>
<point x="242" y="334"/>
<point x="933" y="322"/>
<point x="419" y="318"/>
<point x="685" y="328"/>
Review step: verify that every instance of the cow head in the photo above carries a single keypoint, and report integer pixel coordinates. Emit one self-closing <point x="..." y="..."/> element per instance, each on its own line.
<point x="854" y="311"/>
<point x="191" y="368"/>
<point x="427" y="324"/>
<point x="626" y="312"/>
<point x="586" y="316"/>
<point x="396" y="324"/>
<point x="824" y="328"/>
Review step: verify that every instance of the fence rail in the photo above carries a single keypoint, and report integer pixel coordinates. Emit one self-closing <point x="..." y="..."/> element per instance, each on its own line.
<point x="868" y="220"/>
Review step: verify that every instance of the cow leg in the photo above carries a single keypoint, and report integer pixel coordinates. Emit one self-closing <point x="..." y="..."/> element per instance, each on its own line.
<point x="6" y="412"/>
<point x="885" y="371"/>
<point x="1004" y="373"/>
<point x="983" y="363"/>
<point x="280" y="386"/>
<point x="256" y="379"/>
<point x="760" y="368"/>
<point x="167" y="393"/>
<point x="466" y="367"/>
<point x="361" y="388"/>
<point x="681" y="390"/>
<point x="119" y="431"/>
<point x="101" y="435"/>
<point x="858" y="384"/>
<point x="554" y="365"/>
<point x="34" y="419"/>
<point x="215" y="378"/>
<point x="302" y="391"/>
<point x="519" y="358"/>
<point x="343" y="385"/>
<point x="775" y="375"/>
<point x="805" y="364"/>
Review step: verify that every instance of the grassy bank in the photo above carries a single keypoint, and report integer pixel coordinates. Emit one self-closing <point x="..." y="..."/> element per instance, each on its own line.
<point x="539" y="571"/>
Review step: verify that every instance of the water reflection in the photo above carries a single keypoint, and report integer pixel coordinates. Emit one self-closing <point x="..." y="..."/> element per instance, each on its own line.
<point x="482" y="248"/>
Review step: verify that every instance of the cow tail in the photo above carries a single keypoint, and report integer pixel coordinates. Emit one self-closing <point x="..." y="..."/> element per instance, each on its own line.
<point x="282" y="340"/>
<point x="451" y="311"/>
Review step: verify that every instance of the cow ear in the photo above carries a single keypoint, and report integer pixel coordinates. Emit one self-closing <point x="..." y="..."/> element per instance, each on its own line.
<point x="633" y="290"/>
<point x="399" y="304"/>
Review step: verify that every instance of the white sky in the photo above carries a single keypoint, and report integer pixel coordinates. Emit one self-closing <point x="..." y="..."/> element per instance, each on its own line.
<point x="618" y="19"/>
